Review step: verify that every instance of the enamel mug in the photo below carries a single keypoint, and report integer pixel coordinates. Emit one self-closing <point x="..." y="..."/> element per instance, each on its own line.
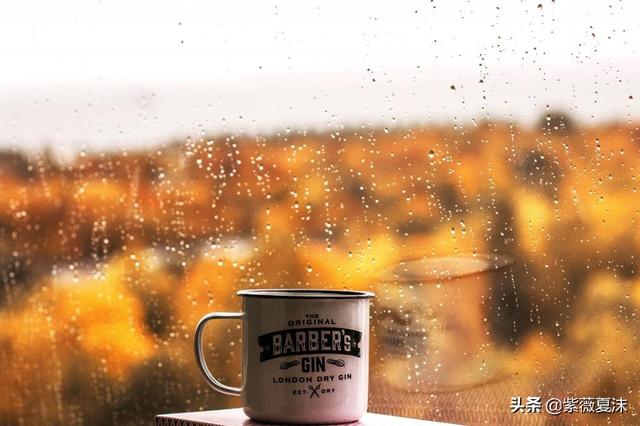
<point x="305" y="355"/>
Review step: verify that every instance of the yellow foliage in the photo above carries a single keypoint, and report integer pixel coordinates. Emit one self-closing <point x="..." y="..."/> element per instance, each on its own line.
<point x="353" y="268"/>
<point x="609" y="216"/>
<point x="456" y="236"/>
<point x="71" y="318"/>
<point x="533" y="216"/>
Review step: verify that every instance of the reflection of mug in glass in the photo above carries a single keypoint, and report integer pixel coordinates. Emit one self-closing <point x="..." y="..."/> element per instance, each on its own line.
<point x="433" y="321"/>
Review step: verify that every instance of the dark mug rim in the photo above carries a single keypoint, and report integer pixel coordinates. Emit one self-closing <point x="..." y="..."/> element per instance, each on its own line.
<point x="300" y="293"/>
<point x="390" y="274"/>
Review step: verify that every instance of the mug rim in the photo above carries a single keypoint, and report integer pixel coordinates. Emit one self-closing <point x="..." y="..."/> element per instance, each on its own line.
<point x="496" y="262"/>
<point x="303" y="293"/>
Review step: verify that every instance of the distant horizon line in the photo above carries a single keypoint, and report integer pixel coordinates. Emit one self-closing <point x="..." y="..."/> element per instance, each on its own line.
<point x="277" y="135"/>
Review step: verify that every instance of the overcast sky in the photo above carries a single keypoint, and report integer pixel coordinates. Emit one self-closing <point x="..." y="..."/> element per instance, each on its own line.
<point x="97" y="74"/>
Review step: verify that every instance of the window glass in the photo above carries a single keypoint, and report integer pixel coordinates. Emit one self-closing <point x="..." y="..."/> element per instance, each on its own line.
<point x="475" y="164"/>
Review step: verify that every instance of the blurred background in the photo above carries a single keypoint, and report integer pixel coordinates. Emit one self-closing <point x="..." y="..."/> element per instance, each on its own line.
<point x="156" y="157"/>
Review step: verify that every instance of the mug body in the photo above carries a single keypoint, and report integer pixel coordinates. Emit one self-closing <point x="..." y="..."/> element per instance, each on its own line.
<point x="305" y="355"/>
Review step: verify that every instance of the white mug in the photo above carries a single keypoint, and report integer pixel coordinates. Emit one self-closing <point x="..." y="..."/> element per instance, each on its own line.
<point x="305" y="355"/>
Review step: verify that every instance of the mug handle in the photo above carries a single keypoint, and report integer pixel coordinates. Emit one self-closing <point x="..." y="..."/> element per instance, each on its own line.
<point x="213" y="382"/>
